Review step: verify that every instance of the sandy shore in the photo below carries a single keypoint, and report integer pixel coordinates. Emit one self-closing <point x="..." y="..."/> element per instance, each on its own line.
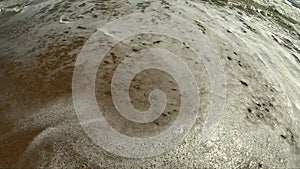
<point x="258" y="43"/>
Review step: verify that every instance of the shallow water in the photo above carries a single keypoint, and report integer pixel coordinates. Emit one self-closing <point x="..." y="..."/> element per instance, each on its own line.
<point x="258" y="45"/>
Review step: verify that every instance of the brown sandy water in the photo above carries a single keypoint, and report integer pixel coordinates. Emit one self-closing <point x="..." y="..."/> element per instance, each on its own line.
<point x="38" y="124"/>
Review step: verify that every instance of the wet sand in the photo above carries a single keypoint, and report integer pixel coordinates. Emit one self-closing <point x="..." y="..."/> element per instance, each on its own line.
<point x="258" y="45"/>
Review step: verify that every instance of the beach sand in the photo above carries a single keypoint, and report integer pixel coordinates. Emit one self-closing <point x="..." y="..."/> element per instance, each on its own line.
<point x="257" y="41"/>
